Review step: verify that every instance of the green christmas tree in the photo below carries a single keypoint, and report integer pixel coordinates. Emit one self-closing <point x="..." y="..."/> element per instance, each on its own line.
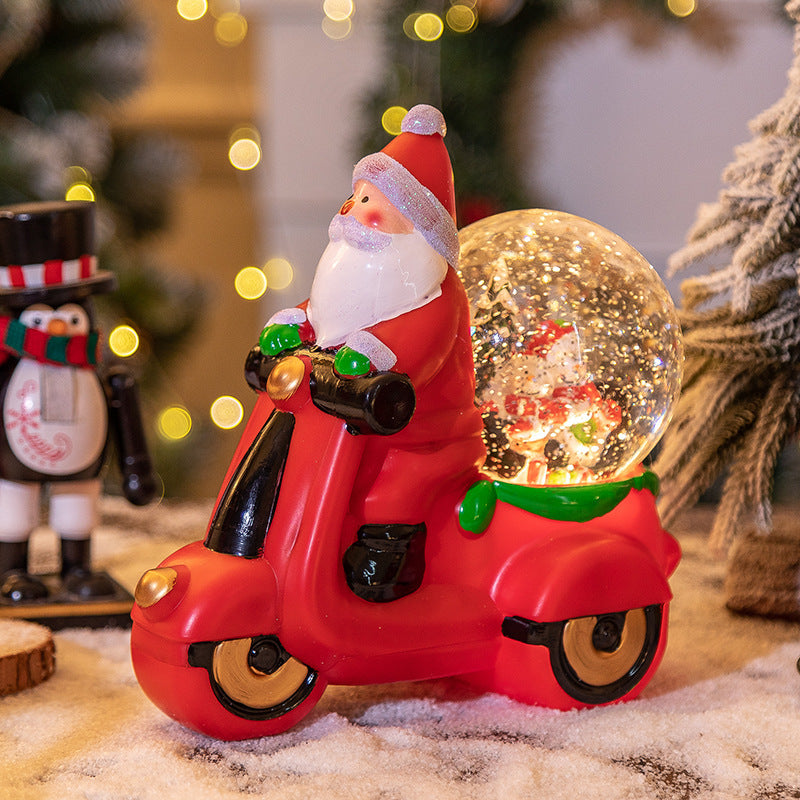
<point x="64" y="64"/>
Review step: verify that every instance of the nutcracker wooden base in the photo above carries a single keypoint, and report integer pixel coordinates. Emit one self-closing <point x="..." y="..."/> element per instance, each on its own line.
<point x="64" y="610"/>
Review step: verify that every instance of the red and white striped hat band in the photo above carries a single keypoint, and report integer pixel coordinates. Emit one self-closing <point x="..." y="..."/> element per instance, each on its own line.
<point x="54" y="272"/>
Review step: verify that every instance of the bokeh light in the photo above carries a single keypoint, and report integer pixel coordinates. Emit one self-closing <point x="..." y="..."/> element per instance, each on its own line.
<point x="338" y="10"/>
<point x="279" y="272"/>
<point x="192" y="9"/>
<point x="123" y="341"/>
<point x="250" y="283"/>
<point x="230" y="29"/>
<point x="76" y="174"/>
<point x="681" y="8"/>
<point x="226" y="412"/>
<point x="460" y="18"/>
<point x="337" y="30"/>
<point x="392" y="119"/>
<point x="80" y="191"/>
<point x="428" y="27"/>
<point x="219" y="8"/>
<point x="174" y="423"/>
<point x="244" y="152"/>
<point x="408" y="25"/>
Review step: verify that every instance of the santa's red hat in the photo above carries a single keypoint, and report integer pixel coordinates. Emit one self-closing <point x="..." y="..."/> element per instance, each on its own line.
<point x="415" y="173"/>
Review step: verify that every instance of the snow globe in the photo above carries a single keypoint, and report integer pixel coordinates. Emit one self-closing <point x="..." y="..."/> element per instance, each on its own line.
<point x="577" y="347"/>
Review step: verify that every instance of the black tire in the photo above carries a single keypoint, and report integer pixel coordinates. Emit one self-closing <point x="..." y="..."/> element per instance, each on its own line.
<point x="600" y="659"/>
<point x="255" y="678"/>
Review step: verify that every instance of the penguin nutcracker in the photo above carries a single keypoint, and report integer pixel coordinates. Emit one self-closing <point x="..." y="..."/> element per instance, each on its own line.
<point x="57" y="407"/>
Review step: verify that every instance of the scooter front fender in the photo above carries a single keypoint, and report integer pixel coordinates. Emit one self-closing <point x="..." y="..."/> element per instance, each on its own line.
<point x="212" y="596"/>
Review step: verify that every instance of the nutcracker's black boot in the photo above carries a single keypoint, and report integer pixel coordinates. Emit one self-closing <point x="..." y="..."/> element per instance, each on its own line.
<point x="76" y="571"/>
<point x="385" y="562"/>
<point x="16" y="583"/>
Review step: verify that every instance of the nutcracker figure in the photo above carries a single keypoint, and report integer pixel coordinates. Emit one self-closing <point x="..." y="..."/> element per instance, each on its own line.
<point x="58" y="403"/>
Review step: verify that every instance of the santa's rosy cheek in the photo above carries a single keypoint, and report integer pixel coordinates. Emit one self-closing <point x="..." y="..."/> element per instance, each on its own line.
<point x="374" y="219"/>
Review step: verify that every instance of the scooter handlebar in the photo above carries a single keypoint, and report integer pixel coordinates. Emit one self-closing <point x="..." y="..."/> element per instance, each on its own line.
<point x="380" y="403"/>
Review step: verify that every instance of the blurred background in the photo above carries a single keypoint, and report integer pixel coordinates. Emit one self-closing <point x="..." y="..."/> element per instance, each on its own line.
<point x="217" y="138"/>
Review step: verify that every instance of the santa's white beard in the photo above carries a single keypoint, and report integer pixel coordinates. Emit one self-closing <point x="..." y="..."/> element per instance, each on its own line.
<point x="356" y="288"/>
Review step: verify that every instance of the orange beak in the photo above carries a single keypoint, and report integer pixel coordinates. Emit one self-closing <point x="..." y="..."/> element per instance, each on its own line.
<point x="56" y="327"/>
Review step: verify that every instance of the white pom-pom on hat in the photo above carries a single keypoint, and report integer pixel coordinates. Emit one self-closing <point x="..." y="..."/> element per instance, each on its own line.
<point x="424" y="120"/>
<point x="415" y="174"/>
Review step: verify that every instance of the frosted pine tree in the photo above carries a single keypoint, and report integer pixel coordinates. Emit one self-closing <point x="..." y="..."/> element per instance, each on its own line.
<point x="741" y="323"/>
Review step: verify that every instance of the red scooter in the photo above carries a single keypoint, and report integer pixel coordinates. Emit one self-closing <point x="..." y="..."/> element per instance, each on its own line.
<point x="553" y="595"/>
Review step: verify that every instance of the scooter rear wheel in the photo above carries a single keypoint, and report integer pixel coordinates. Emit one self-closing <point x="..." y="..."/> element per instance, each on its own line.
<point x="601" y="658"/>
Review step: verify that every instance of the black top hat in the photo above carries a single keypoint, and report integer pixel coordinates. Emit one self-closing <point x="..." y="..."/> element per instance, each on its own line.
<point x="47" y="254"/>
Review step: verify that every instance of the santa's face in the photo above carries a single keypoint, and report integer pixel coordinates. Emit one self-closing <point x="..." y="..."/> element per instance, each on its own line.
<point x="367" y="273"/>
<point x="370" y="206"/>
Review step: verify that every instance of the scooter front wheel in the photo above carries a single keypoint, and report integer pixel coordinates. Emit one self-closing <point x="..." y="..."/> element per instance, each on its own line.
<point x="257" y="680"/>
<point x="601" y="658"/>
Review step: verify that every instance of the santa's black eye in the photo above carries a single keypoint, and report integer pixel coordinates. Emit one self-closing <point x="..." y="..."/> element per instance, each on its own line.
<point x="365" y="199"/>
<point x="37" y="320"/>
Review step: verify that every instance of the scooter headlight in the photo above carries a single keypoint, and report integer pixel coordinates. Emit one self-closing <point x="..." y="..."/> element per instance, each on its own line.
<point x="154" y="586"/>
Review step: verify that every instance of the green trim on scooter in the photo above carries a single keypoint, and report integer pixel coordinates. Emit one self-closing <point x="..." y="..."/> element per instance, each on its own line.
<point x="559" y="502"/>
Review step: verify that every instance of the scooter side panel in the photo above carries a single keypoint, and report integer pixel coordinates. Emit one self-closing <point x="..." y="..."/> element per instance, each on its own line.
<point x="582" y="573"/>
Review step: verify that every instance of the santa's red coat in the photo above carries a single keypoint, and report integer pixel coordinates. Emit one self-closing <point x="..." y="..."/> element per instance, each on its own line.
<point x="440" y="451"/>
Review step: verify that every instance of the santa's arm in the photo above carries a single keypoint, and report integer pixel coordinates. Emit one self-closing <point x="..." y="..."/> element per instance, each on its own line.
<point x="423" y="339"/>
<point x="285" y="330"/>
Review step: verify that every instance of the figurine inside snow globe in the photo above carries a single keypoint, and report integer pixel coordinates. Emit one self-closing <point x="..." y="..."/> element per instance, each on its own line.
<point x="577" y="347"/>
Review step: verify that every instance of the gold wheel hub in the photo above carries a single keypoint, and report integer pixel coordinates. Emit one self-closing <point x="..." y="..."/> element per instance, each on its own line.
<point x="246" y="684"/>
<point x="598" y="667"/>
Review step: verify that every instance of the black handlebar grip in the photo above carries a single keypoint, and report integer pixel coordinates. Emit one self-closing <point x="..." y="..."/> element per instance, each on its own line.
<point x="257" y="367"/>
<point x="382" y="403"/>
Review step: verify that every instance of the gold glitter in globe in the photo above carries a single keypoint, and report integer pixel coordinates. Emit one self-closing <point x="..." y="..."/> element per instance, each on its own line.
<point x="577" y="347"/>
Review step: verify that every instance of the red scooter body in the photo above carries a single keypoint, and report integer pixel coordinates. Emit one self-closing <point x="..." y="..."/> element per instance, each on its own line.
<point x="552" y="595"/>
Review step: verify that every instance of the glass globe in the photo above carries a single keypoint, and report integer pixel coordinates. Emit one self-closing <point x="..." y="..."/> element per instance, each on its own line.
<point x="577" y="347"/>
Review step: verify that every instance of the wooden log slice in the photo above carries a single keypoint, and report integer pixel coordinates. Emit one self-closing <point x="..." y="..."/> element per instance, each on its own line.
<point x="27" y="655"/>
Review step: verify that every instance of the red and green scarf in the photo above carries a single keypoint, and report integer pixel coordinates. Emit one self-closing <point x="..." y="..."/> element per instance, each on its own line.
<point x="20" y="341"/>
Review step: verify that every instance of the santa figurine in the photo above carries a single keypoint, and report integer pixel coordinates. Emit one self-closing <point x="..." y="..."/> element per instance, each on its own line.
<point x="555" y="416"/>
<point x="386" y="296"/>
<point x="57" y="409"/>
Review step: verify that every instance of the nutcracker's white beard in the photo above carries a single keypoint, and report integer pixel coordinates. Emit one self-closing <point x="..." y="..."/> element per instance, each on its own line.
<point x="360" y="282"/>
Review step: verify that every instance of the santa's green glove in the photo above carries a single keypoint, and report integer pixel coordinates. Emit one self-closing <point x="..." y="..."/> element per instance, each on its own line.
<point x="351" y="363"/>
<point x="276" y="338"/>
